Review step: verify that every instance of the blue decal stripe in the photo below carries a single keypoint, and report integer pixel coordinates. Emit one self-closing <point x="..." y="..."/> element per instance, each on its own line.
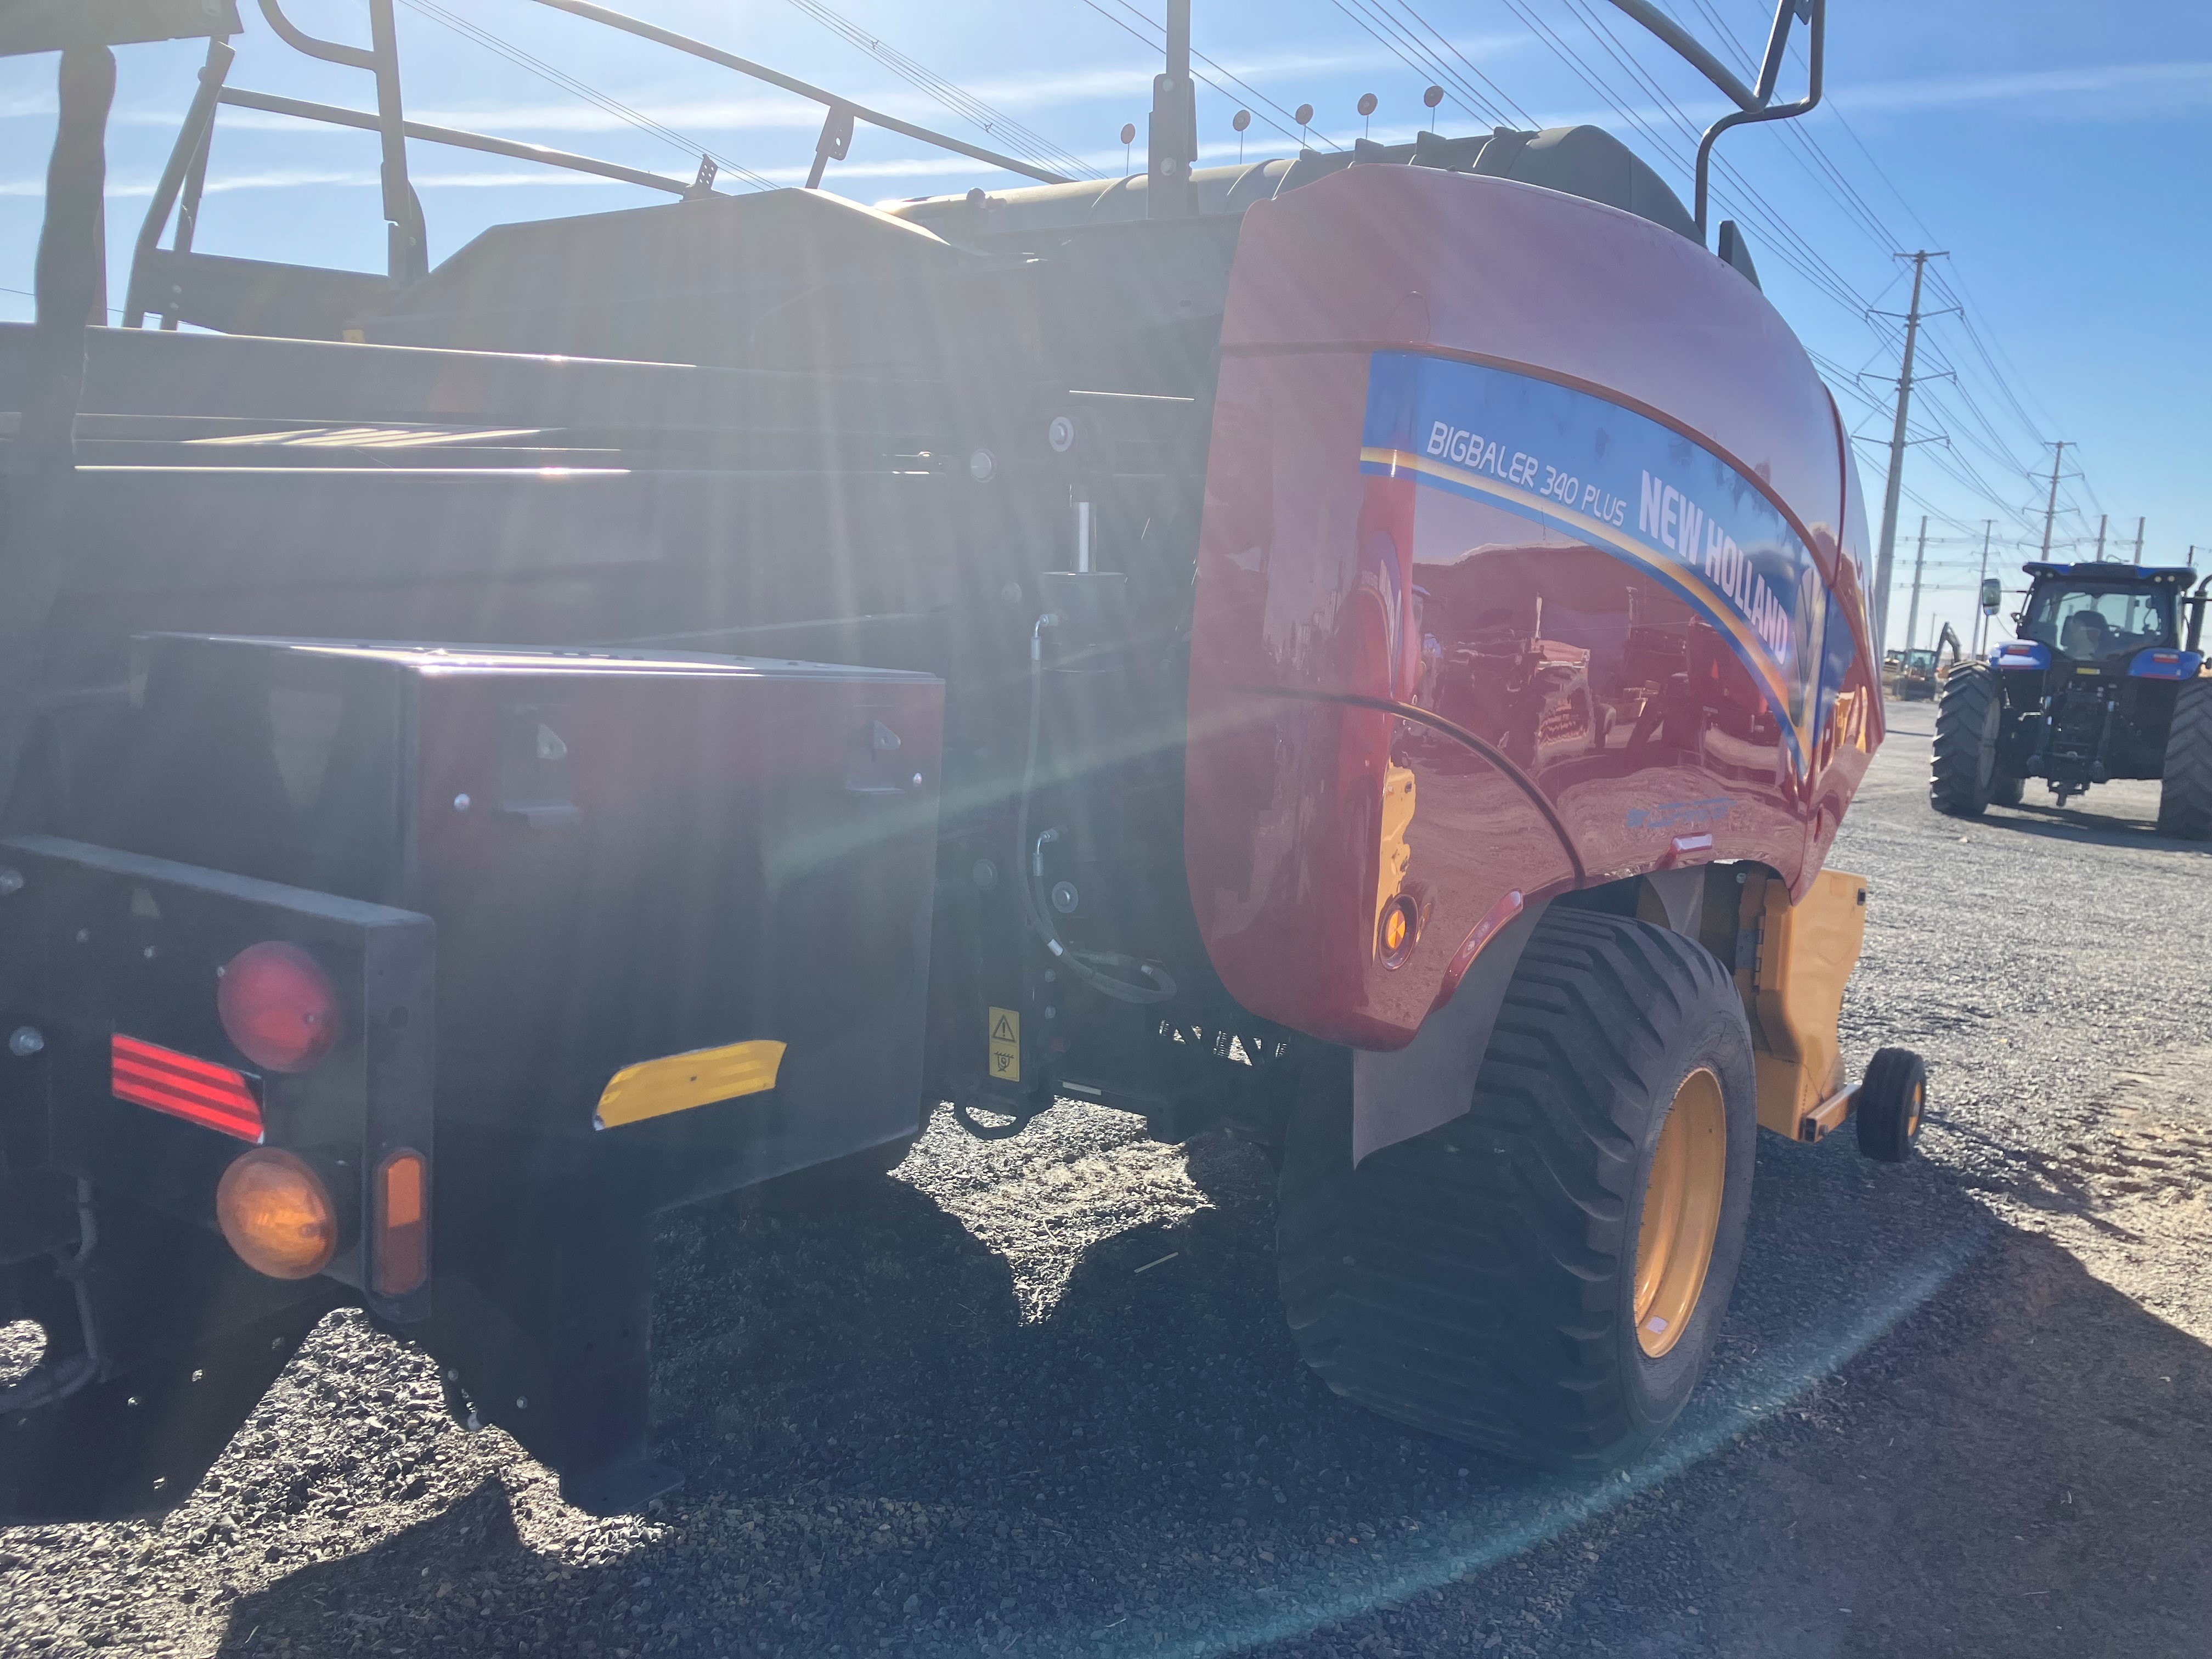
<point x="1528" y="504"/>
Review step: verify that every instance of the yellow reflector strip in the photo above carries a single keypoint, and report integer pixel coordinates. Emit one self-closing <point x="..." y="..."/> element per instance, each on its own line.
<point x="654" y="1088"/>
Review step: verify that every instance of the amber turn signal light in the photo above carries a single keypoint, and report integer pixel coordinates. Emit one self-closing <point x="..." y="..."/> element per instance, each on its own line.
<point x="402" y="1224"/>
<point x="1394" y="936"/>
<point x="276" y="1214"/>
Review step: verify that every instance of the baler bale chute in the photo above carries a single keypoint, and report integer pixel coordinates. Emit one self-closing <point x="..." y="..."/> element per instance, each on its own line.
<point x="1365" y="648"/>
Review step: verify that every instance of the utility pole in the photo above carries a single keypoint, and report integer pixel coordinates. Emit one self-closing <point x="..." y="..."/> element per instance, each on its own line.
<point x="1981" y="616"/>
<point x="1919" y="559"/>
<point x="2051" y="506"/>
<point x="1888" y="549"/>
<point x="2139" y="525"/>
<point x="2103" y="519"/>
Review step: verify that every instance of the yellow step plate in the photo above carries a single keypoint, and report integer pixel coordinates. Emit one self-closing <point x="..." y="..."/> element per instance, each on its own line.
<point x="676" y="1083"/>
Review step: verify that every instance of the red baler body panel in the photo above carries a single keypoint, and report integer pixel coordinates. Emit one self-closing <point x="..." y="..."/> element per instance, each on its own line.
<point x="1484" y="453"/>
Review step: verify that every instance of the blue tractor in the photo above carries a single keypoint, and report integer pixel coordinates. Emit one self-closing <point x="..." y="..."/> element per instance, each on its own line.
<point x="2101" y="683"/>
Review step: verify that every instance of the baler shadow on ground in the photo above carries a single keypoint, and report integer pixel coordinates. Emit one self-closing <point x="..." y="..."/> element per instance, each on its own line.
<point x="1923" y="1433"/>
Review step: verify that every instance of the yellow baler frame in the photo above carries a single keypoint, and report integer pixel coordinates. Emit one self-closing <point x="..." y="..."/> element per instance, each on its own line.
<point x="1792" y="980"/>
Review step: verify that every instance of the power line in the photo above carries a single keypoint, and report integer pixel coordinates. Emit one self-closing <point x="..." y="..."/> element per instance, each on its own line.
<point x="1501" y="95"/>
<point x="561" y="78"/>
<point x="1399" y="40"/>
<point x="1157" y="42"/>
<point x="1031" y="145"/>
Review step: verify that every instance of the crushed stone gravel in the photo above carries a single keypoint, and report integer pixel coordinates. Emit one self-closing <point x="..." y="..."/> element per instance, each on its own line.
<point x="1962" y="1406"/>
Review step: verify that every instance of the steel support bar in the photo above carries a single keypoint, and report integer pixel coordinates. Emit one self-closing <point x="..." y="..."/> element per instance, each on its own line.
<point x="408" y="255"/>
<point x="729" y="60"/>
<point x="192" y="142"/>
<point x="271" y="104"/>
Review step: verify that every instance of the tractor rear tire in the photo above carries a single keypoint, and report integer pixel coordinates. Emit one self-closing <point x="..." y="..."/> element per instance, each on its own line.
<point x="2184" y="799"/>
<point x="1963" y="779"/>
<point x="1543" y="1277"/>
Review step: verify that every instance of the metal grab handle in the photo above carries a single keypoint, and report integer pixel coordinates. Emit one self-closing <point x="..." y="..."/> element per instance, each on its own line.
<point x="330" y="52"/>
<point x="1752" y="104"/>
<point x="406" y="258"/>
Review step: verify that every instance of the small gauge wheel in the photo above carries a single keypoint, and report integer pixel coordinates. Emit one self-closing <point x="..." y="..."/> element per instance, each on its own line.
<point x="1892" y="1100"/>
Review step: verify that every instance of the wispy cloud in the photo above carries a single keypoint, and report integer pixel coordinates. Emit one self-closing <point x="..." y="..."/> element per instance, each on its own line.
<point x="2123" y="90"/>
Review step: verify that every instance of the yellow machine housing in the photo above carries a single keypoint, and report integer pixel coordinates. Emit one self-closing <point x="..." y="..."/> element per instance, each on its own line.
<point x="1792" y="982"/>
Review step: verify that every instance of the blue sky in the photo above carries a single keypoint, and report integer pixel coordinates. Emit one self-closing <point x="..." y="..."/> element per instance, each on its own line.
<point x="2062" y="156"/>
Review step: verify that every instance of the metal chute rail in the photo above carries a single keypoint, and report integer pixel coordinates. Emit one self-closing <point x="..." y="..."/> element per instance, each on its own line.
<point x="162" y="279"/>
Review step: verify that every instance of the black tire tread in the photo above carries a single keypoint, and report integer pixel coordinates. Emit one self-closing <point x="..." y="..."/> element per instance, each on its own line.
<point x="1956" y="787"/>
<point x="1882" y="1113"/>
<point x="1464" y="1281"/>
<point x="2184" y="797"/>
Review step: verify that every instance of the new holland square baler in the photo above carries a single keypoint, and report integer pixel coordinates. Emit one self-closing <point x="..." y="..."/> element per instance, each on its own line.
<point x="1366" y="649"/>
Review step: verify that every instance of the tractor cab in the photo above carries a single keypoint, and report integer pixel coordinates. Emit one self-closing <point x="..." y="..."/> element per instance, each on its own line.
<point x="2105" y="614"/>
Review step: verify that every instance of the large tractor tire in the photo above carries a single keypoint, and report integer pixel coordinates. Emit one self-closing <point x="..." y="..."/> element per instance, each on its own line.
<point x="1963" y="779"/>
<point x="2184" y="799"/>
<point x="1543" y="1277"/>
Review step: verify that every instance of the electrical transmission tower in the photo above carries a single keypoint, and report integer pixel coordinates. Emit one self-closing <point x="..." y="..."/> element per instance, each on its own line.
<point x="1919" y="564"/>
<point x="2051" y="506"/>
<point x="1887" y="552"/>
<point x="1981" y="616"/>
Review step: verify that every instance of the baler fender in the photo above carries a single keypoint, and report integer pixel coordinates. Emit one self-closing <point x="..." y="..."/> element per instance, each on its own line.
<point x="1792" y="962"/>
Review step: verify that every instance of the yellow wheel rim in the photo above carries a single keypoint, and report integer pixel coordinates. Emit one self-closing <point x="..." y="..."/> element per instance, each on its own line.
<point x="1682" y="1212"/>
<point x="1912" y="1116"/>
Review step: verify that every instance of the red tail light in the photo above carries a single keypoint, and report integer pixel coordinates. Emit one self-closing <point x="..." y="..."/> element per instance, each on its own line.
<point x="278" y="1007"/>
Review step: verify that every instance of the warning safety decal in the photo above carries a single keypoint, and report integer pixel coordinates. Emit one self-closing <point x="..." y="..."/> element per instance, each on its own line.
<point x="1617" y="480"/>
<point x="1006" y="1027"/>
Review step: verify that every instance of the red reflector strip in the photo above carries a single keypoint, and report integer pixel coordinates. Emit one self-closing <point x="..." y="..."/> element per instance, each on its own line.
<point x="198" y="1091"/>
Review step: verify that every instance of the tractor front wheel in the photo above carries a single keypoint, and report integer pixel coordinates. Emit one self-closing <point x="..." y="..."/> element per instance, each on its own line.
<point x="1968" y="721"/>
<point x="2184" y="799"/>
<point x="1542" y="1277"/>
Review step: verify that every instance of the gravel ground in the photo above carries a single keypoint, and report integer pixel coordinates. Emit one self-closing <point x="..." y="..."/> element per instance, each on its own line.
<point x="1035" y="1397"/>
